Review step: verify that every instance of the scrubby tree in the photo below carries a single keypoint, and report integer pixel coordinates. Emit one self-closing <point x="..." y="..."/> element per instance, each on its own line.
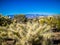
<point x="20" y="18"/>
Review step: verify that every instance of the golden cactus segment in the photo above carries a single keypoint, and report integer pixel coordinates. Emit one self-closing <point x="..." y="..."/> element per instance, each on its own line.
<point x="42" y="21"/>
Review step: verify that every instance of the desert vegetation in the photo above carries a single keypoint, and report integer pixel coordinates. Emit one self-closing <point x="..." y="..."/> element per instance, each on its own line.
<point x="23" y="31"/>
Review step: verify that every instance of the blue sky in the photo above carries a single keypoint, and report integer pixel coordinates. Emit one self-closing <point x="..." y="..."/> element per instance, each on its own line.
<point x="10" y="7"/>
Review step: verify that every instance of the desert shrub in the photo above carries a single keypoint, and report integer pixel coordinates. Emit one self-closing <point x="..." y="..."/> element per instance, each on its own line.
<point x="20" y="18"/>
<point x="4" y="21"/>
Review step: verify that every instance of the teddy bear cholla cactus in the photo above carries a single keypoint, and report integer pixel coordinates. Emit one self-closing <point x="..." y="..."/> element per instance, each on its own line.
<point x="25" y="33"/>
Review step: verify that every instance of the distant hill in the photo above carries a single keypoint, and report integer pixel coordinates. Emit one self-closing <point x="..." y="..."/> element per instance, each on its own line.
<point x="28" y="15"/>
<point x="34" y="15"/>
<point x="10" y="16"/>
